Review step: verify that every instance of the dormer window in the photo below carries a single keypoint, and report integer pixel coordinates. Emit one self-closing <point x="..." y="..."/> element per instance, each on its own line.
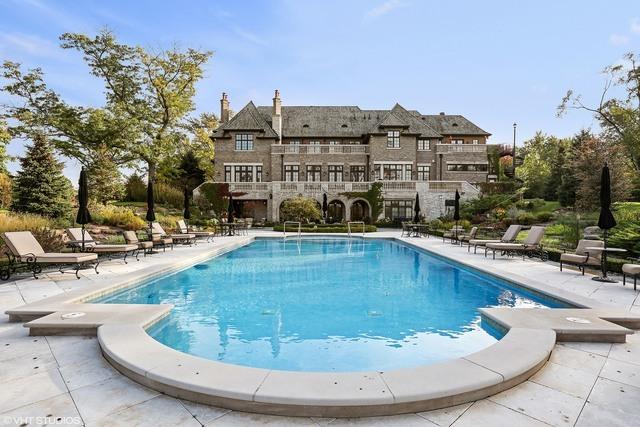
<point x="305" y="125"/>
<point x="344" y="126"/>
<point x="244" y="142"/>
<point x="393" y="139"/>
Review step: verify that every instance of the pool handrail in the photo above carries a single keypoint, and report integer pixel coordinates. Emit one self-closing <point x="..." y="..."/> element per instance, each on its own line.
<point x="284" y="228"/>
<point x="355" y="222"/>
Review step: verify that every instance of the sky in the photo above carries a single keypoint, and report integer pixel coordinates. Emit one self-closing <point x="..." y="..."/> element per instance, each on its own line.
<point x="495" y="62"/>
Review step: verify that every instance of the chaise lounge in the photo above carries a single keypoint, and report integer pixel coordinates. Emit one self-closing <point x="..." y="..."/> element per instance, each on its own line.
<point x="531" y="245"/>
<point x="184" y="238"/>
<point x="91" y="245"/>
<point x="464" y="238"/>
<point x="25" y="252"/>
<point x="131" y="238"/>
<point x="632" y="270"/>
<point x="184" y="229"/>
<point x="583" y="258"/>
<point x="509" y="236"/>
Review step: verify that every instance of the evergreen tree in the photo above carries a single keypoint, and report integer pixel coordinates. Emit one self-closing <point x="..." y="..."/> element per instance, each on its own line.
<point x="569" y="182"/>
<point x="554" y="179"/>
<point x="40" y="187"/>
<point x="104" y="178"/>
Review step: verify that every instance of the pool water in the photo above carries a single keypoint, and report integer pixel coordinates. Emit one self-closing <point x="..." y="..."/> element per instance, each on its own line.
<point x="327" y="305"/>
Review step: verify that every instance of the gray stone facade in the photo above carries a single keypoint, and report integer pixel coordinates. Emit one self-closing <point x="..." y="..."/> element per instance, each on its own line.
<point x="269" y="154"/>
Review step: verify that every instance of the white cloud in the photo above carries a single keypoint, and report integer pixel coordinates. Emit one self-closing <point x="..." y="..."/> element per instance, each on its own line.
<point x="618" y="39"/>
<point x="385" y="8"/>
<point x="249" y="36"/>
<point x="19" y="43"/>
<point x="635" y="25"/>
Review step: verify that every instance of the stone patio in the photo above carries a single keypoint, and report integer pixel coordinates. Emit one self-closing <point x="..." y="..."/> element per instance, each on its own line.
<point x="65" y="380"/>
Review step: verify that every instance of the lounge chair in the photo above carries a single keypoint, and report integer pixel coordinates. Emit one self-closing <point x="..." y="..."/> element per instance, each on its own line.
<point x="509" y="236"/>
<point x="182" y="226"/>
<point x="91" y="245"/>
<point x="632" y="270"/>
<point x="583" y="258"/>
<point x="453" y="233"/>
<point x="131" y="238"/>
<point x="25" y="252"/>
<point x="464" y="238"/>
<point x="532" y="245"/>
<point x="184" y="238"/>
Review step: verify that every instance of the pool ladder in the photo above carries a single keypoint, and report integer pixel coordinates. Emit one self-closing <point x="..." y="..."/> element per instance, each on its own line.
<point x="355" y="222"/>
<point x="284" y="228"/>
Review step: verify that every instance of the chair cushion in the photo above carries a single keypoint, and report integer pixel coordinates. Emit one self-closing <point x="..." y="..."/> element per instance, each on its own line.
<point x="22" y="243"/>
<point x="62" y="258"/>
<point x="633" y="269"/>
<point x="578" y="259"/>
<point x="145" y="245"/>
<point x="481" y="242"/>
<point x="182" y="236"/>
<point x="505" y="246"/>
<point x="113" y="248"/>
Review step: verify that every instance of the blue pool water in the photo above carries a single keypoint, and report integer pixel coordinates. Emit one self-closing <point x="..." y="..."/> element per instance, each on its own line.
<point x="327" y="305"/>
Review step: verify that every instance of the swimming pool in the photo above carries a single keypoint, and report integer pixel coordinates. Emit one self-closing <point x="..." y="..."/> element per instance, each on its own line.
<point x="327" y="305"/>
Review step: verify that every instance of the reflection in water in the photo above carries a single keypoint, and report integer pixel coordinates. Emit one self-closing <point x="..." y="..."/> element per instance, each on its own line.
<point x="326" y="304"/>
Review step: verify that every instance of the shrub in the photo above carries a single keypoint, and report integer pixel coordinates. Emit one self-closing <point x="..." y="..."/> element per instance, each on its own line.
<point x="41" y="228"/>
<point x="530" y="204"/>
<point x="117" y="216"/>
<point x="168" y="222"/>
<point x="135" y="189"/>
<point x="303" y="209"/>
<point x="167" y="194"/>
<point x="544" y="216"/>
<point x="5" y="191"/>
<point x="627" y="236"/>
<point x="525" y="218"/>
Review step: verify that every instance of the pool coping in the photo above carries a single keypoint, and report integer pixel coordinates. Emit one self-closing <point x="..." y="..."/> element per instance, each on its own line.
<point x="126" y="345"/>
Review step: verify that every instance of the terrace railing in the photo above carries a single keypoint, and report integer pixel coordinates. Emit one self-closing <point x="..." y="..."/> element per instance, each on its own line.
<point x="319" y="149"/>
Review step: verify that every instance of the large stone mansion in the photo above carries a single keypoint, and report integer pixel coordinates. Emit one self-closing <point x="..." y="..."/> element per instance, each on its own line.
<point x="271" y="153"/>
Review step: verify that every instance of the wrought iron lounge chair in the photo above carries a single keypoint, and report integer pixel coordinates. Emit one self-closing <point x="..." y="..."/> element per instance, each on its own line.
<point x="26" y="253"/>
<point x="531" y="246"/>
<point x="92" y="245"/>
<point x="182" y="226"/>
<point x="184" y="238"/>
<point x="132" y="239"/>
<point x="509" y="236"/>
<point x="464" y="238"/>
<point x="632" y="270"/>
<point x="583" y="258"/>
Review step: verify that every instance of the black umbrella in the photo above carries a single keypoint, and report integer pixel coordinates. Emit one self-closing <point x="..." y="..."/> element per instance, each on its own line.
<point x="456" y="211"/>
<point x="151" y="215"/>
<point x="416" y="209"/>
<point x="187" y="212"/>
<point x="83" y="217"/>
<point x="325" y="206"/>
<point x="606" y="221"/>
<point x="230" y="218"/>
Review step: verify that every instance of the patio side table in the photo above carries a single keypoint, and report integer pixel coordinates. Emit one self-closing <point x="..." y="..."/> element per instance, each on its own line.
<point x="604" y="277"/>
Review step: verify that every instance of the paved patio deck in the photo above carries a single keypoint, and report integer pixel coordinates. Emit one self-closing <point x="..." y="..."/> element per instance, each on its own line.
<point x="66" y="377"/>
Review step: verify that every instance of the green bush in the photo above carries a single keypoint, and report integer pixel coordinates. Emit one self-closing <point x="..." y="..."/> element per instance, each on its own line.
<point x="303" y="209"/>
<point x="117" y="216"/>
<point x="135" y="189"/>
<point x="627" y="236"/>
<point x="530" y="204"/>
<point x="544" y="216"/>
<point x="328" y="228"/>
<point x="167" y="194"/>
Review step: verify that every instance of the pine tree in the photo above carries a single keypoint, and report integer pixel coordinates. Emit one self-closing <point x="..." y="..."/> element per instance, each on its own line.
<point x="103" y="177"/>
<point x="40" y="187"/>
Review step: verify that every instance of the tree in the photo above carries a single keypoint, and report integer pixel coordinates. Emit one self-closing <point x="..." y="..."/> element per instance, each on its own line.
<point x="201" y="143"/>
<point x="40" y="187"/>
<point x="618" y="117"/>
<point x="104" y="178"/>
<point x="540" y="162"/>
<point x="153" y="90"/>
<point x="303" y="209"/>
<point x="568" y="180"/>
<point x="189" y="174"/>
<point x="5" y="138"/>
<point x="135" y="189"/>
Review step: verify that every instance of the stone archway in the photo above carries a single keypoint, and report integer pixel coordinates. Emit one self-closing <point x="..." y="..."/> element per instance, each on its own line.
<point x="359" y="210"/>
<point x="336" y="212"/>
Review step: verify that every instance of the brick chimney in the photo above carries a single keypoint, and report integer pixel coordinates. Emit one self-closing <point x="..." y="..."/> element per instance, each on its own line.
<point x="276" y="115"/>
<point x="224" y="108"/>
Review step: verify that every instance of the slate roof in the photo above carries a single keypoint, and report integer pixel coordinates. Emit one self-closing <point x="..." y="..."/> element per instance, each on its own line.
<point x="346" y="121"/>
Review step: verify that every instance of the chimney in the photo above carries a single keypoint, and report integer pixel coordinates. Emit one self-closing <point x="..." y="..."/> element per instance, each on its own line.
<point x="224" y="108"/>
<point x="442" y="113"/>
<point x="276" y="115"/>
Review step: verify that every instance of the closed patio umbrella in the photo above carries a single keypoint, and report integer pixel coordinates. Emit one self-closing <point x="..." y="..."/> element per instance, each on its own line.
<point x="416" y="209"/>
<point x="230" y="218"/>
<point x="187" y="211"/>
<point x="151" y="215"/>
<point x="325" y="206"/>
<point x="83" y="217"/>
<point x="456" y="211"/>
<point x="606" y="221"/>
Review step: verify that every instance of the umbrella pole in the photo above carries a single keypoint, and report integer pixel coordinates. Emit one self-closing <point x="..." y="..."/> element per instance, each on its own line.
<point x="82" y="237"/>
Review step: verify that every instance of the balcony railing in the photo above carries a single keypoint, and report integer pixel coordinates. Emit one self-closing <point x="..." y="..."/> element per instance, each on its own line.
<point x="304" y="187"/>
<point x="319" y="149"/>
<point x="461" y="148"/>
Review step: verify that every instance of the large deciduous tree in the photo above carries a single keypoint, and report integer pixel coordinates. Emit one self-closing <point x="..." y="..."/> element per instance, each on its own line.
<point x="155" y="90"/>
<point x="104" y="178"/>
<point x="541" y="166"/>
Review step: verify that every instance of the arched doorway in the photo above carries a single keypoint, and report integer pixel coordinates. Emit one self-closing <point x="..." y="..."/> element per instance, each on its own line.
<point x="359" y="210"/>
<point x="335" y="213"/>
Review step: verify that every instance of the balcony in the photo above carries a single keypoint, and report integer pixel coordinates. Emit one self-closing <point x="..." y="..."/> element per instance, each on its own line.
<point x="319" y="149"/>
<point x="461" y="148"/>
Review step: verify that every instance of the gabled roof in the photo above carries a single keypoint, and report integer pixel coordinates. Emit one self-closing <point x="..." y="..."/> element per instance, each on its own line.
<point x="398" y="116"/>
<point x="452" y="124"/>
<point x="249" y="118"/>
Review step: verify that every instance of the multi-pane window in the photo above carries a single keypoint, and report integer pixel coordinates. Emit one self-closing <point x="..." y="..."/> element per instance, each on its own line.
<point x="393" y="139"/>
<point x="424" y="145"/>
<point x="423" y="172"/>
<point x="398" y="209"/>
<point x="244" y="142"/>
<point x="258" y="173"/>
<point x="315" y="147"/>
<point x="357" y="173"/>
<point x="393" y="172"/>
<point x="294" y="142"/>
<point x="335" y="173"/>
<point x="467" y="167"/>
<point x="291" y="173"/>
<point x="314" y="173"/>
<point x="334" y="142"/>
<point x="475" y="142"/>
<point x="457" y="141"/>
<point x="243" y="173"/>
<point x="227" y="174"/>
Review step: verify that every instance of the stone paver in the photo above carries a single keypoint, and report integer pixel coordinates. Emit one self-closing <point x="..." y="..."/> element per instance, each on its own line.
<point x="583" y="385"/>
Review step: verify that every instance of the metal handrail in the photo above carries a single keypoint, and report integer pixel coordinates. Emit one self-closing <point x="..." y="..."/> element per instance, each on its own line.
<point x="355" y="222"/>
<point x="284" y="228"/>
